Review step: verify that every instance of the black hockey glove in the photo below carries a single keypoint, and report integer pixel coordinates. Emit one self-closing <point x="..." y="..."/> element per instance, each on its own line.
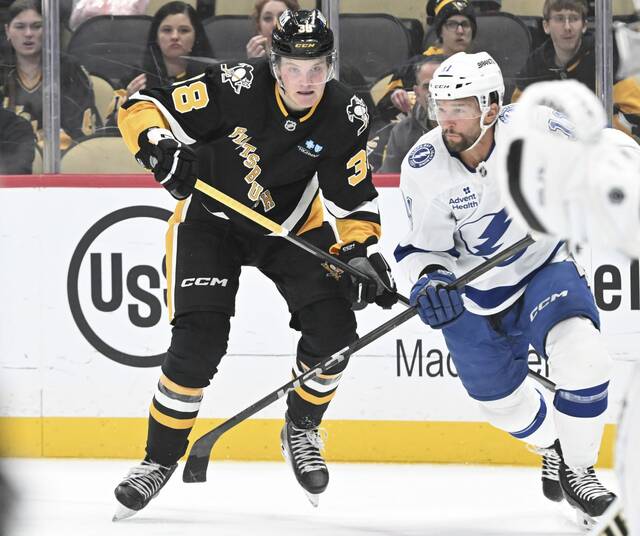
<point x="173" y="163"/>
<point x="380" y="288"/>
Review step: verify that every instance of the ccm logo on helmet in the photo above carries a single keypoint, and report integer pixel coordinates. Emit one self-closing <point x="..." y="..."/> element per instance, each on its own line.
<point x="545" y="302"/>
<point x="203" y="282"/>
<point x="486" y="62"/>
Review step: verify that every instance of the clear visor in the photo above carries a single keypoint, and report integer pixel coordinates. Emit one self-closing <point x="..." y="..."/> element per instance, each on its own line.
<point x="628" y="41"/>
<point x="303" y="71"/>
<point x="453" y="110"/>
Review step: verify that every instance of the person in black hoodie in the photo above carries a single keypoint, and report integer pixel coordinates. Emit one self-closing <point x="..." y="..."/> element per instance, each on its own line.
<point x="569" y="53"/>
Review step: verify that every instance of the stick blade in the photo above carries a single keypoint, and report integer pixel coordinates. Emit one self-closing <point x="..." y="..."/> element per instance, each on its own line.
<point x="195" y="470"/>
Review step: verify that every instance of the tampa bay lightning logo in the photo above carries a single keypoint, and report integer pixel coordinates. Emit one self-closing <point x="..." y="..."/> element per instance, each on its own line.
<point x="506" y="112"/>
<point x="560" y="123"/>
<point x="487" y="235"/>
<point x="421" y="155"/>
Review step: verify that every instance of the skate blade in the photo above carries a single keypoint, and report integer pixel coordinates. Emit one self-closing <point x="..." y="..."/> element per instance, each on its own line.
<point x="314" y="498"/>
<point x="122" y="512"/>
<point x="585" y="522"/>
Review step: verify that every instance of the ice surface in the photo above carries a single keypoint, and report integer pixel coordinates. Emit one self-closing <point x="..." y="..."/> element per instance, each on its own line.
<point x="75" y="498"/>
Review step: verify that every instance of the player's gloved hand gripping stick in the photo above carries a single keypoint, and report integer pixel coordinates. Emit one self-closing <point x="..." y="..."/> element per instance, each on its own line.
<point x="196" y="467"/>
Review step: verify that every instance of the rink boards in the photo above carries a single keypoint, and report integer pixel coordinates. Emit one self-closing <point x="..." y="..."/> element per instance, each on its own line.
<point x="84" y="323"/>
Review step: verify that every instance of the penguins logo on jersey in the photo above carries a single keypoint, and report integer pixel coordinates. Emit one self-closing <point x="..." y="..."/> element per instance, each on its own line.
<point x="238" y="76"/>
<point x="421" y="155"/>
<point x="357" y="111"/>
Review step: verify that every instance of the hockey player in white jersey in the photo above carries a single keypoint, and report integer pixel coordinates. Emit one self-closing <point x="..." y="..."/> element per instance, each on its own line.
<point x="585" y="189"/>
<point x="538" y="296"/>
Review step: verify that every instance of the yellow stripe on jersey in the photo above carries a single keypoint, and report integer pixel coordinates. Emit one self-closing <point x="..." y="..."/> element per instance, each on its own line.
<point x="172" y="386"/>
<point x="626" y="96"/>
<point x="174" y="220"/>
<point x="312" y="399"/>
<point x="355" y="231"/>
<point x="316" y="216"/>
<point x="171" y="422"/>
<point x="136" y="119"/>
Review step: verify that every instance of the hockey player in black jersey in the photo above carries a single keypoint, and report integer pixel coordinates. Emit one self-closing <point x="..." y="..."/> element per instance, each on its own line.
<point x="279" y="132"/>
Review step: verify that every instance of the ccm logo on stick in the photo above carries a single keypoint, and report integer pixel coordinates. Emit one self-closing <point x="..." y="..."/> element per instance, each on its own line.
<point x="203" y="282"/>
<point x="545" y="302"/>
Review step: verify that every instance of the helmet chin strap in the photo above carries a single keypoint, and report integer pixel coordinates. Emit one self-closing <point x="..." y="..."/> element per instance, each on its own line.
<point x="483" y="127"/>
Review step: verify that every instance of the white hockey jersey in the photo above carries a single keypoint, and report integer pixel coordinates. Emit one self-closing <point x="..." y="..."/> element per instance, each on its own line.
<point x="458" y="220"/>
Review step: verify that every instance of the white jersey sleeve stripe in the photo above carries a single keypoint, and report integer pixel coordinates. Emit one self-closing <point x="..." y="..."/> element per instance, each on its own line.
<point x="175" y="127"/>
<point x="337" y="212"/>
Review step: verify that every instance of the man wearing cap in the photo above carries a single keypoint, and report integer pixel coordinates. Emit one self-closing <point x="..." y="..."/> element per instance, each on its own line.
<point x="454" y="22"/>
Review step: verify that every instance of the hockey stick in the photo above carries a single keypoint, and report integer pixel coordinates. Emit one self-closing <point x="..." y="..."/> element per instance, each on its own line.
<point x="282" y="231"/>
<point x="195" y="469"/>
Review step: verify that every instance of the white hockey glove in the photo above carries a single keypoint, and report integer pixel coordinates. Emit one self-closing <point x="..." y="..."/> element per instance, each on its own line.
<point x="584" y="187"/>
<point x="573" y="100"/>
<point x="173" y="163"/>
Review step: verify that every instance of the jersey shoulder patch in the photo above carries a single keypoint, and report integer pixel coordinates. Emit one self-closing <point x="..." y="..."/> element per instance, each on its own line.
<point x="358" y="114"/>
<point x="239" y="76"/>
<point x="506" y="112"/>
<point x="420" y="155"/>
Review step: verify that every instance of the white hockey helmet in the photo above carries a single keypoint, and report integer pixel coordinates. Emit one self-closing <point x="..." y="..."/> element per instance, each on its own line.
<point x="468" y="75"/>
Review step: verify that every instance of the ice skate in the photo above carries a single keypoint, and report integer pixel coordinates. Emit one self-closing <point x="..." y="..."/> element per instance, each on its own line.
<point x="550" y="468"/>
<point x="585" y="493"/>
<point x="302" y="449"/>
<point x="142" y="483"/>
<point x="612" y="522"/>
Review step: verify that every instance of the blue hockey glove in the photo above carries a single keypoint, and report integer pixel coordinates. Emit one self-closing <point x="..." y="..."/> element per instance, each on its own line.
<point x="380" y="288"/>
<point x="173" y="163"/>
<point x="437" y="306"/>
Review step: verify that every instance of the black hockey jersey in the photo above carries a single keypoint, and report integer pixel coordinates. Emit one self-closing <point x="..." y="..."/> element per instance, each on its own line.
<point x="264" y="156"/>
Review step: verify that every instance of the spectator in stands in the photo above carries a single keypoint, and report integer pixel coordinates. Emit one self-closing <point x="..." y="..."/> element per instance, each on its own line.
<point x="454" y="23"/>
<point x="265" y="14"/>
<point x="405" y="133"/>
<point x="85" y="9"/>
<point x="175" y="32"/>
<point x="569" y="52"/>
<point x="21" y="77"/>
<point x="17" y="144"/>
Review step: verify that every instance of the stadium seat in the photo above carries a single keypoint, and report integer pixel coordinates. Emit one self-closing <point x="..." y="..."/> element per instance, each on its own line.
<point x="416" y="33"/>
<point x="228" y="35"/>
<point x="111" y="46"/>
<point x="99" y="155"/>
<point x="103" y="92"/>
<point x="506" y="38"/>
<point x="373" y="43"/>
<point x="535" y="30"/>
